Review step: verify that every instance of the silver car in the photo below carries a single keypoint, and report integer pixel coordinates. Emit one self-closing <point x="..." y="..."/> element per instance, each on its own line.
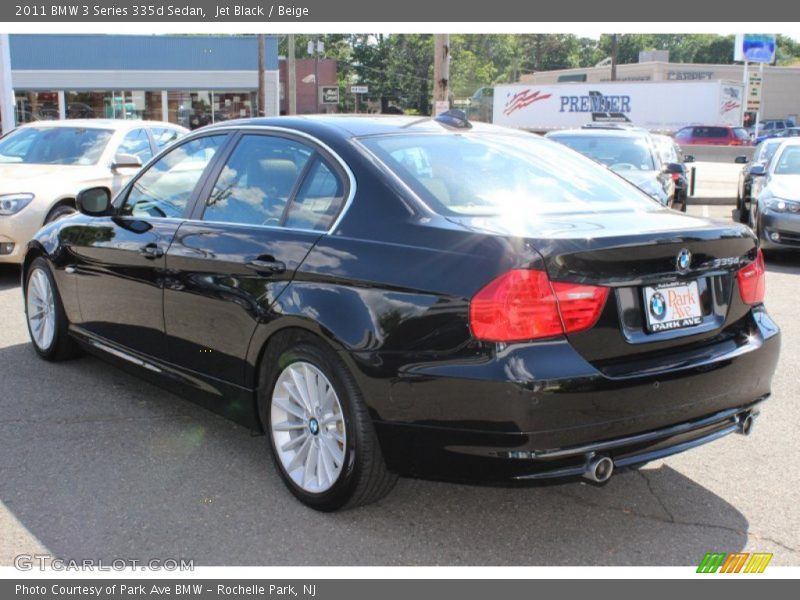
<point x="775" y="212"/>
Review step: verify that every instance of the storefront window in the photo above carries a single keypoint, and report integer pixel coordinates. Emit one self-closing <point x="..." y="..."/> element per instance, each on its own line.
<point x="196" y="109"/>
<point x="36" y="106"/>
<point x="116" y="104"/>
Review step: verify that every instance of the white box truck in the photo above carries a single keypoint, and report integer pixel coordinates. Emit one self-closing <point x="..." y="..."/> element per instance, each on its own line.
<point x="657" y="106"/>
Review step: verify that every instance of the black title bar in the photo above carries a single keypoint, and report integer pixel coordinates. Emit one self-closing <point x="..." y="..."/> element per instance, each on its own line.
<point x="444" y="11"/>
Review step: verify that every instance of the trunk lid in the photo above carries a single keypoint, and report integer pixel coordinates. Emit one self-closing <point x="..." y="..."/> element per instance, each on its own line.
<point x="629" y="251"/>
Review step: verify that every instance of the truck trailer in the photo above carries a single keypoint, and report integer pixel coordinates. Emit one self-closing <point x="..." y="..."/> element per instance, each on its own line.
<point x="662" y="107"/>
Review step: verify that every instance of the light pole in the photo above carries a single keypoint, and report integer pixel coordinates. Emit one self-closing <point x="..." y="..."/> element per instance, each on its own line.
<point x="262" y="88"/>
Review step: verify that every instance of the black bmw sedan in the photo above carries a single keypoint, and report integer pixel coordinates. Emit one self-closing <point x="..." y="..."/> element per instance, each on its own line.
<point x="401" y="296"/>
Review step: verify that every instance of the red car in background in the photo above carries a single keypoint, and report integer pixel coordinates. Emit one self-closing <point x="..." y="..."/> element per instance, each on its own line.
<point x="713" y="135"/>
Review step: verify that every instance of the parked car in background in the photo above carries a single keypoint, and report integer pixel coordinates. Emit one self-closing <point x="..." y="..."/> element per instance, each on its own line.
<point x="630" y="153"/>
<point x="770" y="126"/>
<point x="671" y="154"/>
<point x="43" y="166"/>
<point x="789" y="132"/>
<point x="775" y="209"/>
<point x="389" y="296"/>
<point x="761" y="156"/>
<point x="713" y="135"/>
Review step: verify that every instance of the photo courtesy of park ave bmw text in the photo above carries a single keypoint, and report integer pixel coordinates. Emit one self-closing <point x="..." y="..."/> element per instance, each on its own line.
<point x="325" y="300"/>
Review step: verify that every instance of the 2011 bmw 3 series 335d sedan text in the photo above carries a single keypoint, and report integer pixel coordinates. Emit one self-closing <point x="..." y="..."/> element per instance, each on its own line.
<point x="423" y="297"/>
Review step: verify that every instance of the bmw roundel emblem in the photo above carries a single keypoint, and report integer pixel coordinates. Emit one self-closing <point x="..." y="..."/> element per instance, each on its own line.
<point x="313" y="426"/>
<point x="684" y="261"/>
<point x="658" y="306"/>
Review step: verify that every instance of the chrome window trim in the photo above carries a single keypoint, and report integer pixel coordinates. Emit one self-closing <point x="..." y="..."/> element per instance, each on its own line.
<point x="290" y="132"/>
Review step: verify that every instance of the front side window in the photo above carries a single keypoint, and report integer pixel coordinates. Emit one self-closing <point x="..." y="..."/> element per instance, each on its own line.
<point x="137" y="143"/>
<point x="164" y="136"/>
<point x="513" y="176"/>
<point x="54" y="145"/>
<point x="164" y="189"/>
<point x="257" y="181"/>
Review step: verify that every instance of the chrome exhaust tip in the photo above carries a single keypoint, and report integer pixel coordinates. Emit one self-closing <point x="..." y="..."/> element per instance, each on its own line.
<point x="746" y="424"/>
<point x="599" y="469"/>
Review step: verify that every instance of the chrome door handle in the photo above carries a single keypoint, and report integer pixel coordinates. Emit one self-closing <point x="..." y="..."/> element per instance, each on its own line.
<point x="269" y="267"/>
<point x="151" y="251"/>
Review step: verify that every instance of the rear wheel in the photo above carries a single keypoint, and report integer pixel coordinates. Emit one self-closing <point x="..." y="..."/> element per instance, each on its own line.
<point x="44" y="312"/>
<point x="321" y="434"/>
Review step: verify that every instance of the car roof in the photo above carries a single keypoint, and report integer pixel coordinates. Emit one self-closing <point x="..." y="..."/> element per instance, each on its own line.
<point x="363" y="125"/>
<point x="115" y="124"/>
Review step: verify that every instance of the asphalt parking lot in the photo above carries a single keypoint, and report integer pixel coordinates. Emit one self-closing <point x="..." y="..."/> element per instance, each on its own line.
<point x="95" y="463"/>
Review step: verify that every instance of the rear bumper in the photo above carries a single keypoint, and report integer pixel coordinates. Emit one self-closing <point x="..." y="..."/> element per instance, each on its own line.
<point x="497" y="429"/>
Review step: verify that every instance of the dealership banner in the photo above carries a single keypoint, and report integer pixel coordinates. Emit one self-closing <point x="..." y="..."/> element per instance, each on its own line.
<point x="332" y="11"/>
<point x="397" y="589"/>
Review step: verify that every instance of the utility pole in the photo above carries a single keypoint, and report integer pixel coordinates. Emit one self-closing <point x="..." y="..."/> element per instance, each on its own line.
<point x="291" y="72"/>
<point x="441" y="73"/>
<point x="6" y="92"/>
<point x="614" y="45"/>
<point x="316" y="48"/>
<point x="262" y="89"/>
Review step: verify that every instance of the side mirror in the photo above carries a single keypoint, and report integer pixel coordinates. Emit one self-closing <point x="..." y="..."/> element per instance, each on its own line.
<point x="758" y="171"/>
<point x="740" y="160"/>
<point x="675" y="168"/>
<point x="688" y="158"/>
<point x="94" y="202"/>
<point x="126" y="161"/>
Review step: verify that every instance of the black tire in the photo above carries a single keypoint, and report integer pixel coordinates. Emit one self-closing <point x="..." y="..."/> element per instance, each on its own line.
<point x="62" y="346"/>
<point x="364" y="477"/>
<point x="62" y="210"/>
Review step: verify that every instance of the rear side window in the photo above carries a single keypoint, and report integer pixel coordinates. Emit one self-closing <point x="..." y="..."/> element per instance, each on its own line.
<point x="257" y="181"/>
<point x="518" y="176"/>
<point x="319" y="199"/>
<point x="711" y="132"/>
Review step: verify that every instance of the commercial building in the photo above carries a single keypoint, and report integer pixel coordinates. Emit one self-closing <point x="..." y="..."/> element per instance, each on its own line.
<point x="191" y="80"/>
<point x="780" y="96"/>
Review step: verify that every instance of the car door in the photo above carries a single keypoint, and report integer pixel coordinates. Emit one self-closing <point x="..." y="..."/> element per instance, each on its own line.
<point x="119" y="259"/>
<point x="262" y="210"/>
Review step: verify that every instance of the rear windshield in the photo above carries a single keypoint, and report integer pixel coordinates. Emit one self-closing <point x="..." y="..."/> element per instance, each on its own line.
<point x="619" y="153"/>
<point x="54" y="145"/>
<point x="492" y="174"/>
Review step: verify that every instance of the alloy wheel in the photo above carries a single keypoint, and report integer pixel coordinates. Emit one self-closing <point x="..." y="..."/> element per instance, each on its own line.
<point x="41" y="309"/>
<point x="307" y="427"/>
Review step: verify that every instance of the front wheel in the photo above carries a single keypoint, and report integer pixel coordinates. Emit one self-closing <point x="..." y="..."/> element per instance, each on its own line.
<point x="321" y="434"/>
<point x="44" y="312"/>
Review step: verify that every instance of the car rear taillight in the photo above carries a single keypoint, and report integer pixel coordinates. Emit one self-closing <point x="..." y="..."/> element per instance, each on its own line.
<point x="523" y="304"/>
<point x="752" y="280"/>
